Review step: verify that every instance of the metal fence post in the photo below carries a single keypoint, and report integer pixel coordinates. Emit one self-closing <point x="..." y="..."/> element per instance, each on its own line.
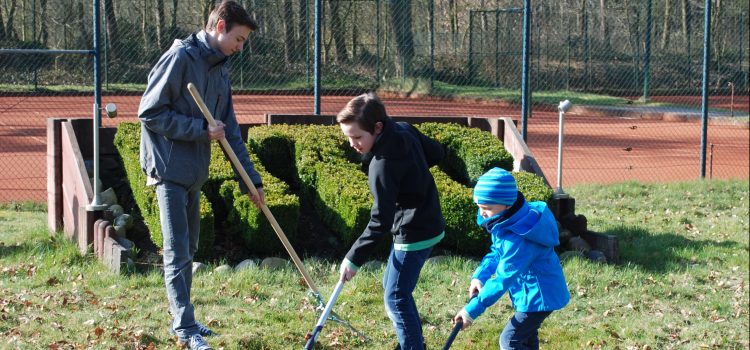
<point x="704" y="93"/>
<point x="647" y="54"/>
<point x="316" y="69"/>
<point x="525" y="93"/>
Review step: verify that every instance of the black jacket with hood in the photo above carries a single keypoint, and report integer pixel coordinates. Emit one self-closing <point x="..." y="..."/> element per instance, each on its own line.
<point x="406" y="200"/>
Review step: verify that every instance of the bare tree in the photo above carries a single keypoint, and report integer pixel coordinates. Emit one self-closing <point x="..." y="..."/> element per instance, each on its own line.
<point x="400" y="11"/>
<point x="337" y="31"/>
<point x="206" y="7"/>
<point x="144" y="26"/>
<point x="10" y="32"/>
<point x="112" y="30"/>
<point x="84" y="39"/>
<point x="160" y="21"/>
<point x="603" y="27"/>
<point x="43" y="32"/>
<point x="173" y="21"/>
<point x="2" y="25"/>
<point x="288" y="23"/>
<point x="686" y="14"/>
<point x="453" y="14"/>
<point x="303" y="28"/>
<point x="666" y="24"/>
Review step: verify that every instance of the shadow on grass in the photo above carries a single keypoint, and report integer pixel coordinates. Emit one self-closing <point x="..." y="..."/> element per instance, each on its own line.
<point x="664" y="252"/>
<point x="9" y="251"/>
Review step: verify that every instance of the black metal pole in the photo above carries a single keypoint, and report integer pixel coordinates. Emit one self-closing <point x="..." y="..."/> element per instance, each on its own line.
<point x="704" y="93"/>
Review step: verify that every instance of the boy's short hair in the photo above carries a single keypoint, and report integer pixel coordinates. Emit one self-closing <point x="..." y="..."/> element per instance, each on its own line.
<point x="232" y="13"/>
<point x="365" y="110"/>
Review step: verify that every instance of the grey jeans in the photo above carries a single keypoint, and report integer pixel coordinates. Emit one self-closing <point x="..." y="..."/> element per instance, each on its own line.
<point x="179" y="211"/>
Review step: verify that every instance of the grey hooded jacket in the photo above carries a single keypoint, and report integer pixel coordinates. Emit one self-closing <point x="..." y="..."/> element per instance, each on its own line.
<point x="174" y="134"/>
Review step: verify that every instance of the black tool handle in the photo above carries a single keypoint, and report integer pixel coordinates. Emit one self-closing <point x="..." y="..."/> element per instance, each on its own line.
<point x="454" y="333"/>
<point x="311" y="340"/>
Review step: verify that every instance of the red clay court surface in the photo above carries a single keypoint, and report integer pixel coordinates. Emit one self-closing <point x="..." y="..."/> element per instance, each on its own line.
<point x="596" y="149"/>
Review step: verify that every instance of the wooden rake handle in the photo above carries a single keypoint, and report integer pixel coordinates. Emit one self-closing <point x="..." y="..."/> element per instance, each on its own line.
<point x="243" y="174"/>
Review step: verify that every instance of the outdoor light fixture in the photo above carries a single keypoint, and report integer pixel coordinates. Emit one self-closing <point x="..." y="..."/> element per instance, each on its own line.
<point x="563" y="107"/>
<point x="111" y="110"/>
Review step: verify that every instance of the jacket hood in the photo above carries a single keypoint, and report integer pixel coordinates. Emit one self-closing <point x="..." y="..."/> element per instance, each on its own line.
<point x="529" y="223"/>
<point x="196" y="45"/>
<point x="391" y="143"/>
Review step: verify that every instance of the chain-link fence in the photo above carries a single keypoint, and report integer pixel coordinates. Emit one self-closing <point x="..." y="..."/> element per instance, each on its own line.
<point x="595" y="53"/>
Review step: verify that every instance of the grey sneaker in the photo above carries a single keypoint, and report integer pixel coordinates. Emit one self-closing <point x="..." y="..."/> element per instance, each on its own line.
<point x="196" y="342"/>
<point x="202" y="330"/>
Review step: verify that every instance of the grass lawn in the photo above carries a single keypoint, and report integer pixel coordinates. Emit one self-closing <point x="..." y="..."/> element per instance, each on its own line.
<point x="682" y="284"/>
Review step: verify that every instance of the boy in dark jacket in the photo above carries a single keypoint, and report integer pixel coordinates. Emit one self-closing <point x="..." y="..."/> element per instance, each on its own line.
<point x="522" y="259"/>
<point x="405" y="205"/>
<point x="176" y="147"/>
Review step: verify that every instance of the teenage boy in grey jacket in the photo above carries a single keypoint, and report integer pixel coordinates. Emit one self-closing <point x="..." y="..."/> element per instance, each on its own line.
<point x="176" y="147"/>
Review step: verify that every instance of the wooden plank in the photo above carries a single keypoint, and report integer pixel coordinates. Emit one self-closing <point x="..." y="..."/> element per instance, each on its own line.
<point x="77" y="190"/>
<point x="54" y="175"/>
<point x="522" y="157"/>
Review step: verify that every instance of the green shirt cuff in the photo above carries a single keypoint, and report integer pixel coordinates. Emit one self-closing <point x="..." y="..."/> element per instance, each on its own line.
<point x="350" y="264"/>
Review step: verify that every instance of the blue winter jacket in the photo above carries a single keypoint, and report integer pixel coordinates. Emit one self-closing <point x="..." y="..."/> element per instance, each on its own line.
<point x="174" y="133"/>
<point x="523" y="262"/>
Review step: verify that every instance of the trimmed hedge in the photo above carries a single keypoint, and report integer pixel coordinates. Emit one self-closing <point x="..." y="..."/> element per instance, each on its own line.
<point x="317" y="162"/>
<point x="127" y="140"/>
<point x="315" y="158"/>
<point x="248" y="222"/>
<point x="470" y="152"/>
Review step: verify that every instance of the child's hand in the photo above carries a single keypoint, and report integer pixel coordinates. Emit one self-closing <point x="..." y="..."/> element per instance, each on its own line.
<point x="463" y="317"/>
<point x="475" y="287"/>
<point x="346" y="272"/>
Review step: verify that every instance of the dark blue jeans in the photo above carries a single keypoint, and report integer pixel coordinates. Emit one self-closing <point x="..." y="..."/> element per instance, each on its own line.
<point x="521" y="332"/>
<point x="399" y="280"/>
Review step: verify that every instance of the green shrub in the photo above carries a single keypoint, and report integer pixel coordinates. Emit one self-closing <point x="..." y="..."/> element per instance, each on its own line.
<point x="470" y="152"/>
<point x="461" y="231"/>
<point x="533" y="187"/>
<point x="336" y="188"/>
<point x="248" y="222"/>
<point x="317" y="162"/>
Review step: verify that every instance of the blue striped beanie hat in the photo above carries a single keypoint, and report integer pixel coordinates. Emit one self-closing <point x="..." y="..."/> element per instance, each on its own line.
<point x="497" y="186"/>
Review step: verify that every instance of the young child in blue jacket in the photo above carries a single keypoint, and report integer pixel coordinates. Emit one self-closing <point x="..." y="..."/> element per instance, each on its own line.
<point x="522" y="259"/>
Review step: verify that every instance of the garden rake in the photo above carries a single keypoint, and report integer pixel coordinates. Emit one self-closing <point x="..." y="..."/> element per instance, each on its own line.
<point x="314" y="292"/>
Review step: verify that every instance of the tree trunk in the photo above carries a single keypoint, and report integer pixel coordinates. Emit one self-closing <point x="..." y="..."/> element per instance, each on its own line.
<point x="144" y="26"/>
<point x="686" y="25"/>
<point x="666" y="27"/>
<point x="160" y="22"/>
<point x="84" y="38"/>
<point x="400" y="11"/>
<point x="206" y="7"/>
<point x="603" y="27"/>
<point x="288" y="23"/>
<point x="10" y="32"/>
<point x="23" y="20"/>
<point x="43" y="32"/>
<point x="173" y="22"/>
<point x="338" y="33"/>
<point x="303" y="28"/>
<point x="2" y="25"/>
<point x="452" y="9"/>
<point x="112" y="30"/>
